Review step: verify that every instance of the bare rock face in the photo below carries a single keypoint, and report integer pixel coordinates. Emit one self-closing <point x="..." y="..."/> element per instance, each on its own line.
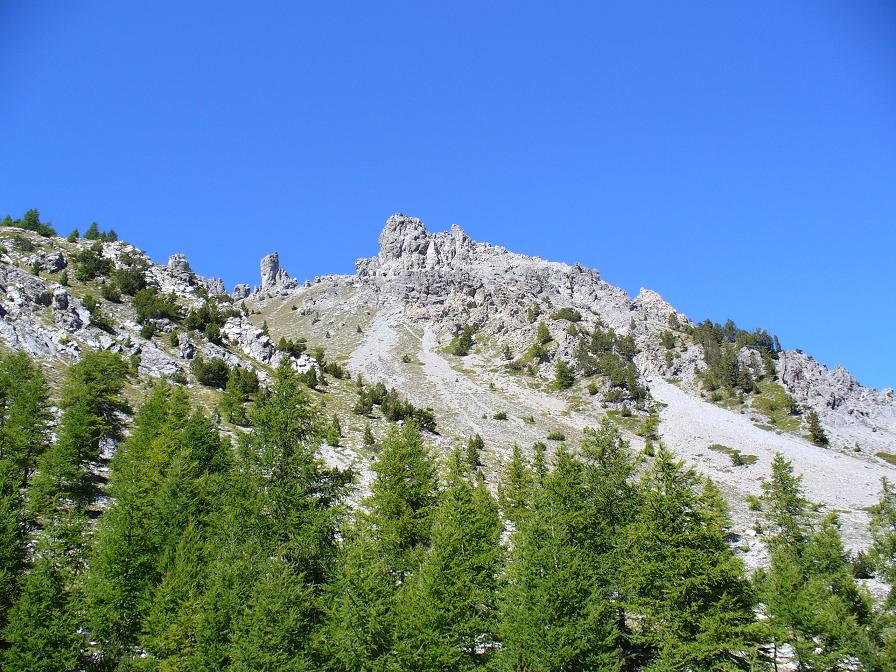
<point x="274" y="277"/>
<point x="241" y="291"/>
<point x="179" y="266"/>
<point x="215" y="287"/>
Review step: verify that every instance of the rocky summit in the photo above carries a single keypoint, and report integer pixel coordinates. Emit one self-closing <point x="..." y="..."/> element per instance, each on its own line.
<point x="505" y="345"/>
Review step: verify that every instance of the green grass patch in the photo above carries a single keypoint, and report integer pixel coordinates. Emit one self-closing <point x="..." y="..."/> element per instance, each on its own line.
<point x="886" y="457"/>
<point x="775" y="403"/>
<point x="630" y="423"/>
<point x="738" y="459"/>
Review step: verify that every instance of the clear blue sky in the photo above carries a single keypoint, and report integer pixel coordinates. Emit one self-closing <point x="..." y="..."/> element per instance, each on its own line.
<point x="739" y="158"/>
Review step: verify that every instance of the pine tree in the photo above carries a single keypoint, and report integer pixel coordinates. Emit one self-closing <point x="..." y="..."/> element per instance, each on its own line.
<point x="42" y="629"/>
<point x="128" y="550"/>
<point x="812" y="604"/>
<point x="542" y="334"/>
<point x="555" y="613"/>
<point x="564" y="376"/>
<point x="13" y="537"/>
<point x="515" y="488"/>
<point x="403" y="497"/>
<point x="816" y="431"/>
<point x="24" y="414"/>
<point x="683" y="587"/>
<point x="475" y="446"/>
<point x="270" y="631"/>
<point x="359" y="635"/>
<point x="883" y="534"/>
<point x="786" y="509"/>
<point x="93" y="232"/>
<point x="448" y="606"/>
<point x="175" y="610"/>
<point x="93" y="410"/>
<point x="369" y="439"/>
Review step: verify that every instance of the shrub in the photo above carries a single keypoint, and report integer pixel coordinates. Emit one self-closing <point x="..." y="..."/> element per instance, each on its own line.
<point x="500" y="415"/>
<point x="564" y="376"/>
<point x="211" y="373"/>
<point x="91" y="263"/>
<point x="462" y="343"/>
<point x="569" y="314"/>
<point x="556" y="436"/>
<point x="153" y="305"/>
<point x="110" y="292"/>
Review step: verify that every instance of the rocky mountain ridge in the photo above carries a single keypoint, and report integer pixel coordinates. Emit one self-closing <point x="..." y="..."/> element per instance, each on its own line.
<point x="393" y="321"/>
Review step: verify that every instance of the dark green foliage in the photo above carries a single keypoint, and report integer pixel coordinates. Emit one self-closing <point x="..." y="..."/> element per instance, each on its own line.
<point x="392" y="406"/>
<point x="130" y="279"/>
<point x="209" y="319"/>
<point x="606" y="353"/>
<point x="211" y="373"/>
<point x="63" y="278"/>
<point x="449" y="606"/>
<point x="91" y="263"/>
<point x="500" y="415"/>
<point x="93" y="412"/>
<point x="30" y="222"/>
<point x="816" y="431"/>
<point x="150" y="304"/>
<point x="542" y="334"/>
<point x="564" y="375"/>
<point x="110" y="292"/>
<point x="293" y="347"/>
<point x="667" y="340"/>
<point x="24" y="415"/>
<point x="42" y="631"/>
<point x="473" y="453"/>
<point x="460" y="345"/>
<point x="73" y="236"/>
<point x="241" y="384"/>
<point x="13" y="536"/>
<point x="569" y="314"/>
<point x="684" y="588"/>
<point x="811" y="600"/>
<point x="403" y="497"/>
<point x="93" y="233"/>
<point x="98" y="319"/>
<point x="721" y="344"/>
<point x="883" y="533"/>
<point x="556" y="612"/>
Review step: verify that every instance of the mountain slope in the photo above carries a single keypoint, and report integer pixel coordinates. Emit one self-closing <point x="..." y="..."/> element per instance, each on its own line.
<point x="393" y="321"/>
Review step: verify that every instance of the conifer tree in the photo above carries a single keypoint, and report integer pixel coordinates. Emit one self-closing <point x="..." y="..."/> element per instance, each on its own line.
<point x="786" y="509"/>
<point x="13" y="537"/>
<point x="515" y="488"/>
<point x="24" y="414"/>
<point x="448" y="606"/>
<point x="42" y="628"/>
<point x="127" y="552"/>
<point x="403" y="497"/>
<point x="175" y="610"/>
<point x="475" y="446"/>
<point x="812" y="604"/>
<point x="360" y="632"/>
<point x="684" y="588"/>
<point x="555" y="613"/>
<point x="816" y="431"/>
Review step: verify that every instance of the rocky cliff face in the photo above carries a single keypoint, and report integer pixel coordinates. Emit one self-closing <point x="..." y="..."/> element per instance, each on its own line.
<point x="438" y="281"/>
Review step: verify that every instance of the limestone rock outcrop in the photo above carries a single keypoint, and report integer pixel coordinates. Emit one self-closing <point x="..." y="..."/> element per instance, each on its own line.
<point x="273" y="277"/>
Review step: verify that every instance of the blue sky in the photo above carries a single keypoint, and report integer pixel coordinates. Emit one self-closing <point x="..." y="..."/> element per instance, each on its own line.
<point x="739" y="158"/>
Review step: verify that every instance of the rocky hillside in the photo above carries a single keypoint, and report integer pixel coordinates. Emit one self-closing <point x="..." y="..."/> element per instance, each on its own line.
<point x="512" y="347"/>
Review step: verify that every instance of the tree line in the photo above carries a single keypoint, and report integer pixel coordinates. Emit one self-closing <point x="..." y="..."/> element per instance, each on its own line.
<point x="196" y="551"/>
